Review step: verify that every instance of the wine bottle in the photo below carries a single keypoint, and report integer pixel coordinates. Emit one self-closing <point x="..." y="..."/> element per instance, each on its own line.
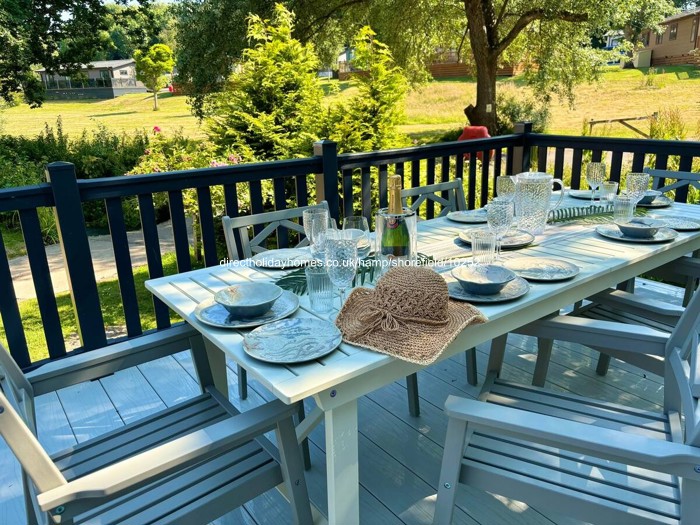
<point x="395" y="237"/>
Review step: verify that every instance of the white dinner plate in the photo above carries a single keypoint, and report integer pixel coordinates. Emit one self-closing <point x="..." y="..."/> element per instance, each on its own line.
<point x="212" y="313"/>
<point x="468" y="216"/>
<point x="583" y="194"/>
<point x="282" y="258"/>
<point x="292" y="340"/>
<point x="611" y="231"/>
<point x="542" y="268"/>
<point x="681" y="224"/>
<point x="511" y="240"/>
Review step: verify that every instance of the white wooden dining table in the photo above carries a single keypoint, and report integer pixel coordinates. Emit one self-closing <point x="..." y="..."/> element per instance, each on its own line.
<point x="337" y="381"/>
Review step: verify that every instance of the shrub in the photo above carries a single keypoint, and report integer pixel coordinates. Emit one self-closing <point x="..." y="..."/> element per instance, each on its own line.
<point x="667" y="124"/>
<point x="512" y="108"/>
<point x="271" y="108"/>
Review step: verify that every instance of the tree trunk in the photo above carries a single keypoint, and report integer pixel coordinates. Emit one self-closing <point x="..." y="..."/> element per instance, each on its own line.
<point x="482" y="39"/>
<point x="155" y="100"/>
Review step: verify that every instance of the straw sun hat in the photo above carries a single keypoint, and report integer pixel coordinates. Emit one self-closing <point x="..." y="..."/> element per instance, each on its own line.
<point x="408" y="315"/>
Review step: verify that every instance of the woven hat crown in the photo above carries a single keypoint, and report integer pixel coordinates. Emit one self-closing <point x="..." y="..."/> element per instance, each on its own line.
<point x="413" y="292"/>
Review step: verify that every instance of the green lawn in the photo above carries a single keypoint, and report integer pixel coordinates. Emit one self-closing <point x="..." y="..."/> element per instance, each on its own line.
<point x="430" y="110"/>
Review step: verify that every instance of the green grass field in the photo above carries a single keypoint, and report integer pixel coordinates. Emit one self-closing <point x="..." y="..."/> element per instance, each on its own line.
<point x="430" y="110"/>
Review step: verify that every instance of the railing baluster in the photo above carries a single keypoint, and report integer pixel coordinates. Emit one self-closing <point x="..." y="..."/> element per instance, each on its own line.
<point x="576" y="160"/>
<point x="559" y="162"/>
<point x="638" y="161"/>
<point x="685" y="164"/>
<point x="206" y="223"/>
<point x="497" y="160"/>
<point x="153" y="257"/>
<point x="180" y="237"/>
<point x="280" y="197"/>
<point x="616" y="166"/>
<point x="41" y="275"/>
<point x="542" y="158"/>
<point x="231" y="208"/>
<point x="383" y="181"/>
<point x="509" y="161"/>
<point x="256" y="203"/>
<point x="301" y="190"/>
<point x="471" y="193"/>
<point x="596" y="155"/>
<point x="122" y="260"/>
<point x="485" y="181"/>
<point x="430" y="204"/>
<point x="415" y="173"/>
<point x="347" y="193"/>
<point x="366" y="192"/>
<point x="11" y="320"/>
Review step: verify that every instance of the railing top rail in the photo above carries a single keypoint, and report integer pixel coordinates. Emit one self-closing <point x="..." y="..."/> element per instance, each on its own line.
<point x="671" y="147"/>
<point x="374" y="158"/>
<point x="26" y="197"/>
<point x="128" y="185"/>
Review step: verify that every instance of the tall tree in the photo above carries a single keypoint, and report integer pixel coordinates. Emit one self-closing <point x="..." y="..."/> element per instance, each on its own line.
<point x="59" y="35"/>
<point x="152" y="66"/>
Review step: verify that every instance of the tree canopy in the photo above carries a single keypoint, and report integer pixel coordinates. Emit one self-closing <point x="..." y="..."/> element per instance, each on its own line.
<point x="59" y="35"/>
<point x="152" y="66"/>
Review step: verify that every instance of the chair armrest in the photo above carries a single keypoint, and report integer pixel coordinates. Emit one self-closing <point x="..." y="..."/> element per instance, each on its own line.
<point x="634" y="304"/>
<point x="599" y="334"/>
<point x="105" y="361"/>
<point x="613" y="445"/>
<point x="107" y="483"/>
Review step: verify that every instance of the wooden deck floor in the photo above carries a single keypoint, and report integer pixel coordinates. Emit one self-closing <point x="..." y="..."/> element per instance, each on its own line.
<point x="399" y="455"/>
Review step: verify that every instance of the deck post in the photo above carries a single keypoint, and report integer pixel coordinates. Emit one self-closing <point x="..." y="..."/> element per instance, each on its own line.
<point x="75" y="248"/>
<point x="521" y="154"/>
<point x="327" y="182"/>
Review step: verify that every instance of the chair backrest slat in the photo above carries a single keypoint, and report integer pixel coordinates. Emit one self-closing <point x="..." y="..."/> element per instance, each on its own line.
<point x="683" y="179"/>
<point x="274" y="221"/>
<point x="448" y="194"/>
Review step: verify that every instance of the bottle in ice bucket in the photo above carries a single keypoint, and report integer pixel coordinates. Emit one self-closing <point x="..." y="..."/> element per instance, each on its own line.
<point x="396" y="228"/>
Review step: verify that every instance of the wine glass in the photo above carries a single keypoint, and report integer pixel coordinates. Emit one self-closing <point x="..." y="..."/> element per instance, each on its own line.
<point x="341" y="263"/>
<point x="505" y="187"/>
<point x="499" y="216"/>
<point x="358" y="229"/>
<point x="595" y="175"/>
<point x="637" y="186"/>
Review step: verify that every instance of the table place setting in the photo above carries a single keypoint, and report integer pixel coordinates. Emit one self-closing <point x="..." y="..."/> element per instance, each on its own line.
<point x="485" y="283"/>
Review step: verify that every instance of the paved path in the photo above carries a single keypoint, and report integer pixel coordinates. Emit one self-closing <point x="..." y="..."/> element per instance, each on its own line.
<point x="102" y="259"/>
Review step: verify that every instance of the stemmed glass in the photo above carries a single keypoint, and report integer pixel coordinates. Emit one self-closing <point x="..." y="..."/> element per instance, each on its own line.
<point x="358" y="230"/>
<point x="595" y="175"/>
<point x="341" y="263"/>
<point x="637" y="186"/>
<point x="505" y="187"/>
<point x="499" y="216"/>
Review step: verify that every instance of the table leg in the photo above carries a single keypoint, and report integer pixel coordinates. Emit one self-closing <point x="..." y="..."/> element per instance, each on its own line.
<point x="210" y="364"/>
<point x="342" y="464"/>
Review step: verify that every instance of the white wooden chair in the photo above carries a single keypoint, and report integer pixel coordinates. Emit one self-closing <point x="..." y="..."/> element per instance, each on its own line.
<point x="274" y="222"/>
<point x="590" y="460"/>
<point x="587" y="325"/>
<point x="454" y="201"/>
<point x="190" y="463"/>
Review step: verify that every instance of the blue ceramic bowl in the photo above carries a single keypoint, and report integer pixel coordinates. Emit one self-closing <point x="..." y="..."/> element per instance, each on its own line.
<point x="640" y="228"/>
<point x="248" y="299"/>
<point x="649" y="196"/>
<point x="486" y="279"/>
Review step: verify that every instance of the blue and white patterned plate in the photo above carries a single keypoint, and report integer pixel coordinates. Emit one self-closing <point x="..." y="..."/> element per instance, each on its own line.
<point x="512" y="240"/>
<point x="514" y="289"/>
<point x="681" y="224"/>
<point x="611" y="231"/>
<point x="292" y="340"/>
<point x="542" y="268"/>
<point x="212" y="313"/>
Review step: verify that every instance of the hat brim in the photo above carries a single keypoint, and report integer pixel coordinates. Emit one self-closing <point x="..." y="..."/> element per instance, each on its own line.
<point x="415" y="342"/>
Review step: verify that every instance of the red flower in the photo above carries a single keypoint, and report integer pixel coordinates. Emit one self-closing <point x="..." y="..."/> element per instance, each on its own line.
<point x="156" y="129"/>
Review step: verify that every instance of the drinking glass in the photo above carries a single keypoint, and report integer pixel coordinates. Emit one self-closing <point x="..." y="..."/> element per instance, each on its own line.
<point x="499" y="216"/>
<point x="358" y="229"/>
<point x="314" y="219"/>
<point x="483" y="247"/>
<point x="608" y="190"/>
<point x="341" y="263"/>
<point x="595" y="175"/>
<point x="623" y="208"/>
<point x="637" y="185"/>
<point x="505" y="187"/>
<point x="320" y="288"/>
<point x="320" y="226"/>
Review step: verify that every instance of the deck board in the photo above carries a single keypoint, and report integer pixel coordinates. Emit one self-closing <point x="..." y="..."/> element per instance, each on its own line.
<point x="399" y="455"/>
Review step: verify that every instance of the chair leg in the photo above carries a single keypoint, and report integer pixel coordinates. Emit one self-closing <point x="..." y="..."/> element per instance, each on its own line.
<point x="449" y="472"/>
<point x="471" y="366"/>
<point x="306" y="455"/>
<point x="412" y="391"/>
<point x="242" y="382"/>
<point x="603" y="364"/>
<point x="293" y="471"/>
<point x="544" y="354"/>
